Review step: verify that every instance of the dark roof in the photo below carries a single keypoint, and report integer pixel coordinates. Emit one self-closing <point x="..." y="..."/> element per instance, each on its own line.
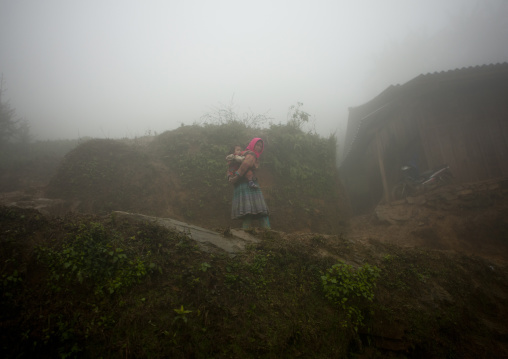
<point x="363" y="116"/>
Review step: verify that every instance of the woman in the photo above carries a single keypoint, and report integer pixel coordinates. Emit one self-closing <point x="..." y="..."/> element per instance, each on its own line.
<point x="248" y="201"/>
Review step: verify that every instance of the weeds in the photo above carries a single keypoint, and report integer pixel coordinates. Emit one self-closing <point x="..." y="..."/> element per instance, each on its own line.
<point x="350" y="288"/>
<point x="265" y="302"/>
<point x="93" y="257"/>
<point x="301" y="164"/>
<point x="181" y="314"/>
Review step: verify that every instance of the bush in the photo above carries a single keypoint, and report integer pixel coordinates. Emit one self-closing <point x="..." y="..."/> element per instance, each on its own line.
<point x="93" y="258"/>
<point x="305" y="160"/>
<point x="350" y="288"/>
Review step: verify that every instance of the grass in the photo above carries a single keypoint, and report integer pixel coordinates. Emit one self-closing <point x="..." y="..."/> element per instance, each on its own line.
<point x="268" y="302"/>
<point x="188" y="303"/>
<point x="98" y="286"/>
<point x="182" y="174"/>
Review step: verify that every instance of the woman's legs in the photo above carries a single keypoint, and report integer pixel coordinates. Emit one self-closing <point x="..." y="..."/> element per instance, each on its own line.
<point x="265" y="222"/>
<point x="247" y="221"/>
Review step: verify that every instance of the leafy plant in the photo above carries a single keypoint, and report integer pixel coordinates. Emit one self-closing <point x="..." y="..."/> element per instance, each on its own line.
<point x="204" y="266"/>
<point x="350" y="288"/>
<point x="302" y="160"/>
<point x="93" y="257"/>
<point x="181" y="314"/>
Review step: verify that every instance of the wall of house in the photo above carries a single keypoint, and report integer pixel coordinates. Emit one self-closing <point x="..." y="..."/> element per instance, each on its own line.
<point x="466" y="127"/>
<point x="363" y="185"/>
<point x="460" y="121"/>
<point x="394" y="137"/>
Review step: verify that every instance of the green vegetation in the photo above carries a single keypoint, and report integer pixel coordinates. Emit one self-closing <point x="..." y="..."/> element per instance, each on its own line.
<point x="115" y="288"/>
<point x="303" y="162"/>
<point x="297" y="169"/>
<point x="182" y="173"/>
<point x="350" y="288"/>
<point x="93" y="258"/>
<point x="103" y="287"/>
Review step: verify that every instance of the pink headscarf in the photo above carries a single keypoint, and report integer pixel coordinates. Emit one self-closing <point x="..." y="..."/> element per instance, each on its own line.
<point x="251" y="145"/>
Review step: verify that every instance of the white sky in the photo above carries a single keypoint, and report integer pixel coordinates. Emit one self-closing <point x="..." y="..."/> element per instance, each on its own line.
<point x="119" y="68"/>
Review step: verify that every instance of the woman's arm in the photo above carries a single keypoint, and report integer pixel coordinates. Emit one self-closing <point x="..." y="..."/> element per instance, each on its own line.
<point x="248" y="163"/>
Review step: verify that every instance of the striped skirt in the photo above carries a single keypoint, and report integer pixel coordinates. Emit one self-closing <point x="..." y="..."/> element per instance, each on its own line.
<point x="248" y="200"/>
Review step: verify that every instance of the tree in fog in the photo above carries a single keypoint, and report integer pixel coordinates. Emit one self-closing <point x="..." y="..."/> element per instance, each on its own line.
<point x="479" y="37"/>
<point x="12" y="129"/>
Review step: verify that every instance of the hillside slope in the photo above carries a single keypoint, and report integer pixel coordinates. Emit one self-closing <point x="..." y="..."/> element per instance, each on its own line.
<point x="91" y="286"/>
<point x="181" y="174"/>
<point x="78" y="280"/>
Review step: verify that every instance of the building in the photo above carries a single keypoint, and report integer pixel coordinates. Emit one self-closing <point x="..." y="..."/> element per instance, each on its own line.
<point x="458" y="117"/>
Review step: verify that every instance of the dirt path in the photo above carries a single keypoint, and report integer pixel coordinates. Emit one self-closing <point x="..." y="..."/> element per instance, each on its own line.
<point x="233" y="241"/>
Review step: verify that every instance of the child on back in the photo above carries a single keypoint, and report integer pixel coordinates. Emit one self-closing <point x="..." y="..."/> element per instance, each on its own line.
<point x="235" y="159"/>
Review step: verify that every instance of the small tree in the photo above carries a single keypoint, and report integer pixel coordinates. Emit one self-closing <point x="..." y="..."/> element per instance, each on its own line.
<point x="7" y="121"/>
<point x="12" y="129"/>
<point x="296" y="116"/>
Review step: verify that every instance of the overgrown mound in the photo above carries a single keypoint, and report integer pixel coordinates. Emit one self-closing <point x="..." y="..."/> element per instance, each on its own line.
<point x="101" y="287"/>
<point x="104" y="175"/>
<point x="181" y="174"/>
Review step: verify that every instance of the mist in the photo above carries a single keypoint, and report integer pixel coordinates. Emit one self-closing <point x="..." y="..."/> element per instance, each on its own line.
<point x="125" y="68"/>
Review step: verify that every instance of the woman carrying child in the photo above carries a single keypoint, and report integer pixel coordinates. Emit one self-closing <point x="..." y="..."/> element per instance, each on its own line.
<point x="235" y="159"/>
<point x="248" y="200"/>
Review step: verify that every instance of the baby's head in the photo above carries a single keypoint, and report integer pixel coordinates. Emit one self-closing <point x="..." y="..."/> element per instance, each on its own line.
<point x="237" y="150"/>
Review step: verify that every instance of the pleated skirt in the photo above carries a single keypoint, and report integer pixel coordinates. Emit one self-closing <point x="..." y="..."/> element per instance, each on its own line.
<point x="248" y="200"/>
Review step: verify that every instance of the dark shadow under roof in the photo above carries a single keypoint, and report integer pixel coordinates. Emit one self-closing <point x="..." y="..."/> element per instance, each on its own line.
<point x="363" y="116"/>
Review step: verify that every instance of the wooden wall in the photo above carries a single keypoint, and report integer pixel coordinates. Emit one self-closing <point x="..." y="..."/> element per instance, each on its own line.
<point x="467" y="129"/>
<point x="460" y="123"/>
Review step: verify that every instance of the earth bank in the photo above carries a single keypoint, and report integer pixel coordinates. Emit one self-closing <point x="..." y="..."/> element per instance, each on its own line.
<point x="89" y="286"/>
<point x="181" y="174"/>
<point x="442" y="290"/>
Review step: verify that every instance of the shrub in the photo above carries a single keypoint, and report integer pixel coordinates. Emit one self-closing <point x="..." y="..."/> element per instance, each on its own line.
<point x="351" y="289"/>
<point x="93" y="258"/>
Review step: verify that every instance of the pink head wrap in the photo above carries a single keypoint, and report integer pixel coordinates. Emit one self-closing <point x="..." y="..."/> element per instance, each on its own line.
<point x="251" y="145"/>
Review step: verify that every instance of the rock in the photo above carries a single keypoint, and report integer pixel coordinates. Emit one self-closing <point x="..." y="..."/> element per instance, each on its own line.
<point x="208" y="241"/>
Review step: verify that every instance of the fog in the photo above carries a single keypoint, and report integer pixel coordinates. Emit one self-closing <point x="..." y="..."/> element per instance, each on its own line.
<point x="115" y="69"/>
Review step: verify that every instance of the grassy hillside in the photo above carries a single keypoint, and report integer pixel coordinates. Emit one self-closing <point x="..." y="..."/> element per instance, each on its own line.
<point x="181" y="174"/>
<point x="88" y="286"/>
